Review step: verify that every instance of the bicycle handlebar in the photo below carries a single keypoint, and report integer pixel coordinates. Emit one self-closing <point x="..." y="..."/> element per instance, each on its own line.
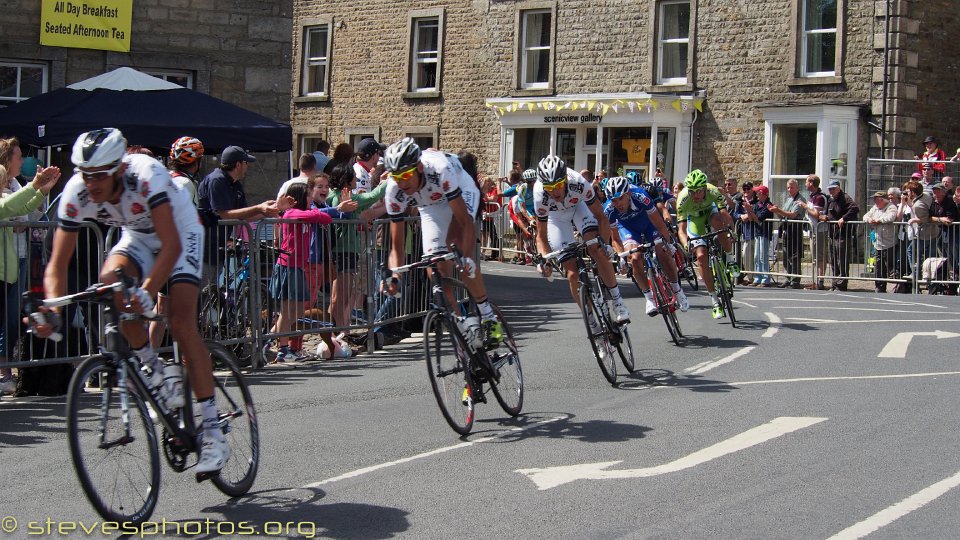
<point x="454" y="254"/>
<point x="642" y="247"/>
<point x="576" y="246"/>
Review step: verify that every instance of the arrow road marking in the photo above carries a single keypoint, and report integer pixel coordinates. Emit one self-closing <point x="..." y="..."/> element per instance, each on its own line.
<point x="897" y="347"/>
<point x="704" y="367"/>
<point x="557" y="476"/>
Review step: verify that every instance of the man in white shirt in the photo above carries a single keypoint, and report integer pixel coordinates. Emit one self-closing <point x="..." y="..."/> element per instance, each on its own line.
<point x="307" y="166"/>
<point x="368" y="153"/>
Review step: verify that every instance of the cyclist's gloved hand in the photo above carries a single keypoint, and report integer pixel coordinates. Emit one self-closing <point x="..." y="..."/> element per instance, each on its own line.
<point x="140" y="297"/>
<point x="469" y="267"/>
<point x="46" y="324"/>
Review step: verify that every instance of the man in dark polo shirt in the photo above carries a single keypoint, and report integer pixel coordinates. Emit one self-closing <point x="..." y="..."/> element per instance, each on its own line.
<point x="221" y="196"/>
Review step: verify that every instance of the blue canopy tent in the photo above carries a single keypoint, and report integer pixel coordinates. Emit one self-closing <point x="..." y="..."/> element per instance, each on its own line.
<point x="149" y="111"/>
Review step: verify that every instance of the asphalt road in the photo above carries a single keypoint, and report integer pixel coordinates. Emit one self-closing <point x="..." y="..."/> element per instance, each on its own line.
<point x="811" y="420"/>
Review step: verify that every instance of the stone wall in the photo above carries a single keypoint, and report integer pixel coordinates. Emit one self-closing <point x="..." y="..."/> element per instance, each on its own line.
<point x="238" y="50"/>
<point x="744" y="54"/>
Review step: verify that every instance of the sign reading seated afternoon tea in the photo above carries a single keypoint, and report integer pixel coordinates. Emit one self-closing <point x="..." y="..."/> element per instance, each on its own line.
<point x="86" y="24"/>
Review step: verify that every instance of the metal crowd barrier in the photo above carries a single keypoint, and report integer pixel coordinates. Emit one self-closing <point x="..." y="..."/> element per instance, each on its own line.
<point x="81" y="328"/>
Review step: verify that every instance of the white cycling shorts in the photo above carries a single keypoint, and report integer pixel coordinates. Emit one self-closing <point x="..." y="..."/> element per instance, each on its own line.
<point x="142" y="249"/>
<point x="561" y="224"/>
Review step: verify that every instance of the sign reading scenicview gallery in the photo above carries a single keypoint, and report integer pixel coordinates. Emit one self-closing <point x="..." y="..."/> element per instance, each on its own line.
<point x="86" y="24"/>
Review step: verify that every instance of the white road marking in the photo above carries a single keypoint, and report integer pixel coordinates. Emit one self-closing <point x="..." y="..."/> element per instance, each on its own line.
<point x="895" y="301"/>
<point x="833" y="308"/>
<point x="795" y="380"/>
<point x="889" y="515"/>
<point x="860" y="300"/>
<point x="705" y="367"/>
<point x="552" y="477"/>
<point x="832" y="321"/>
<point x="437" y="451"/>
<point x="774" y="325"/>
<point x="746" y="304"/>
<point x="897" y="346"/>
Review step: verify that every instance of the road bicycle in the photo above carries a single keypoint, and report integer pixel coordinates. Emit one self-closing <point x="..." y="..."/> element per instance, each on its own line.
<point x="685" y="265"/>
<point x="112" y="417"/>
<point x="458" y="363"/>
<point x="663" y="295"/>
<point x="722" y="276"/>
<point x="604" y="333"/>
<point x="228" y="308"/>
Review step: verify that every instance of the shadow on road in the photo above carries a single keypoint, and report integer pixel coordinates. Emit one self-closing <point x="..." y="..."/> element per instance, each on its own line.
<point x="592" y="431"/>
<point x="653" y="378"/>
<point x="300" y="513"/>
<point x="710" y="342"/>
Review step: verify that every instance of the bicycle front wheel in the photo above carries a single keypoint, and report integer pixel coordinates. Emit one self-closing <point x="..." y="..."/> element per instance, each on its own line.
<point x="598" y="334"/>
<point x="447" y="361"/>
<point x="686" y="266"/>
<point x="664" y="305"/>
<point x="723" y="289"/>
<point x="238" y="421"/>
<point x="113" y="444"/>
<point x="508" y="386"/>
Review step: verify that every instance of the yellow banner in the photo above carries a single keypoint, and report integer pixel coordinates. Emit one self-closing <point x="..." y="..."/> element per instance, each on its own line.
<point x="86" y="24"/>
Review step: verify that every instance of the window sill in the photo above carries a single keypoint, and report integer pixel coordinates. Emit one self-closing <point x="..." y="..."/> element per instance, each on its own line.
<point x="664" y="88"/>
<point x="312" y="99"/>
<point x="814" y="81"/>
<point x="422" y="95"/>
<point x="532" y="92"/>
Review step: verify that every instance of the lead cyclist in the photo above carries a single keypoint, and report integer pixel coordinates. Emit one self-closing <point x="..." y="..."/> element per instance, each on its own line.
<point x="161" y="242"/>
<point x="701" y="208"/>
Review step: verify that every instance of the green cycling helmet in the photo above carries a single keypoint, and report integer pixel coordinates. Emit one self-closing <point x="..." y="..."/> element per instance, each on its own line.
<point x="695" y="180"/>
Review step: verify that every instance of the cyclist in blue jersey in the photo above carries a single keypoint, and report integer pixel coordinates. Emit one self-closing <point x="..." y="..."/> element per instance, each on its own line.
<point x="635" y="214"/>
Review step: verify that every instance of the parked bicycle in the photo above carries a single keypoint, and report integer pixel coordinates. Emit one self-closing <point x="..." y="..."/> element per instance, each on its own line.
<point x="722" y="277"/>
<point x="227" y="309"/>
<point x="603" y="332"/>
<point x="111" y="418"/>
<point x="663" y="295"/>
<point x="458" y="363"/>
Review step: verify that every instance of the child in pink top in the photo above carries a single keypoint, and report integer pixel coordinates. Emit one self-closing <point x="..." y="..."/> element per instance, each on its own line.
<point x="289" y="283"/>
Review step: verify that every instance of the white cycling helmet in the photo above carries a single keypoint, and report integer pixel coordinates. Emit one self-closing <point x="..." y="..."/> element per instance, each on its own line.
<point x="529" y="175"/>
<point x="552" y="170"/>
<point x="616" y="186"/>
<point x="401" y="155"/>
<point x="99" y="148"/>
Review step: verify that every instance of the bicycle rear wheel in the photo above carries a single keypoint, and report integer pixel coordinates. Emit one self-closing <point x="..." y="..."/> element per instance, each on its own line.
<point x="447" y="361"/>
<point x="598" y="335"/>
<point x="664" y="304"/>
<point x="685" y="265"/>
<point x="238" y="421"/>
<point x="508" y="387"/>
<point x="113" y="444"/>
<point x="723" y="289"/>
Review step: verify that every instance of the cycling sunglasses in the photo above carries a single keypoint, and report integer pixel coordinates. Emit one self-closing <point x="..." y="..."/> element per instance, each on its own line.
<point x="91" y="176"/>
<point x="402" y="176"/>
<point x="555" y="185"/>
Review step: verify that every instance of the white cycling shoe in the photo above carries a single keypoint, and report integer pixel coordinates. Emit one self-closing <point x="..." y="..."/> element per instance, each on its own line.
<point x="651" y="307"/>
<point x="214" y="454"/>
<point x="682" y="301"/>
<point x="622" y="313"/>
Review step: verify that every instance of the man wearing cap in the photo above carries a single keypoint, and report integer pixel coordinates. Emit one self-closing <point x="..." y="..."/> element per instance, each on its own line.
<point x="944" y="212"/>
<point x="840" y="210"/>
<point x="881" y="217"/>
<point x="933" y="153"/>
<point x="369" y="152"/>
<point x="928" y="177"/>
<point x="221" y="196"/>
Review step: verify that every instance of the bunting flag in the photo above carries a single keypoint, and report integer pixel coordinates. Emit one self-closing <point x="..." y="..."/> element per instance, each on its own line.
<point x="530" y="106"/>
<point x="615" y="107"/>
<point x="631" y="105"/>
<point x="676" y="105"/>
<point x="591" y="105"/>
<point x="601" y="106"/>
<point x="604" y="108"/>
<point x="698" y="105"/>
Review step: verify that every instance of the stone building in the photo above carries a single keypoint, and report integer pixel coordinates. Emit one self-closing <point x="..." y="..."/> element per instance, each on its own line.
<point x="235" y="50"/>
<point x="761" y="90"/>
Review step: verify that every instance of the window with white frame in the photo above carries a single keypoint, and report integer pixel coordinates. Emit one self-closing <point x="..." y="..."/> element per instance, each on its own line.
<point x="21" y="80"/>
<point x="673" y="42"/>
<point x="818" y="44"/>
<point x="536" y="48"/>
<point x="183" y="78"/>
<point x="425" y="54"/>
<point x="315" y="70"/>
<point x="806" y="140"/>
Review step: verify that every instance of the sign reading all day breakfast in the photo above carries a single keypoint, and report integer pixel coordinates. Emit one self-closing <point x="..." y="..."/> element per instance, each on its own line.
<point x="86" y="24"/>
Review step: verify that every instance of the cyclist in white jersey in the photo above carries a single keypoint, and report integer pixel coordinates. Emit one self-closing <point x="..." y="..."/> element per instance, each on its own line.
<point x="447" y="198"/>
<point x="161" y="243"/>
<point x="563" y="199"/>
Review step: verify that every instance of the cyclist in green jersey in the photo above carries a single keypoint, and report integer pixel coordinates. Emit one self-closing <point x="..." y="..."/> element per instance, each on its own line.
<point x="701" y="208"/>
